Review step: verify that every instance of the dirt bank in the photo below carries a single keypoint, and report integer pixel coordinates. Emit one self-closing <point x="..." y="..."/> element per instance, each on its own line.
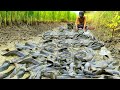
<point x="113" y="44"/>
<point x="24" y="32"/>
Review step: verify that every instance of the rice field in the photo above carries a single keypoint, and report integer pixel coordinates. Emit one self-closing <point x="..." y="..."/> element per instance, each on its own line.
<point x="31" y="17"/>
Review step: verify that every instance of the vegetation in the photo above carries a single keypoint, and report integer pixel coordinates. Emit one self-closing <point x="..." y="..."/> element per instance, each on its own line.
<point x="105" y="19"/>
<point x="30" y="17"/>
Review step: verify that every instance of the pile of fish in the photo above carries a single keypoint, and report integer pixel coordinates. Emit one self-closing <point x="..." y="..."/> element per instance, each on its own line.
<point x="63" y="54"/>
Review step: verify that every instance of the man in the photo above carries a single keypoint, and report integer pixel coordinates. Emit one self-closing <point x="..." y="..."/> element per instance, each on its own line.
<point x="81" y="21"/>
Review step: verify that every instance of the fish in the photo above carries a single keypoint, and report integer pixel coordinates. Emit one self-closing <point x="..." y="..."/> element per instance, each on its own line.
<point x="14" y="53"/>
<point x="7" y="72"/>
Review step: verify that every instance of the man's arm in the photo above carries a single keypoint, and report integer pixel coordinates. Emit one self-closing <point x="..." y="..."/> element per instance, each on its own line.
<point x="84" y="24"/>
<point x="76" y="23"/>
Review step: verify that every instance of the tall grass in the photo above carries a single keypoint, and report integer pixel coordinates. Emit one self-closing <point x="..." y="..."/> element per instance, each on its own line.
<point x="105" y="21"/>
<point x="30" y="17"/>
<point x="102" y="18"/>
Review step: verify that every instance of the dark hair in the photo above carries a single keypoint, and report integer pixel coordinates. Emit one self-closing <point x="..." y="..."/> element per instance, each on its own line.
<point x="81" y="13"/>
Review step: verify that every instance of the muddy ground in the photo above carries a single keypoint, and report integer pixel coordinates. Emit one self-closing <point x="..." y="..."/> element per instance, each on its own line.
<point x="113" y="44"/>
<point x="11" y="35"/>
<point x="24" y="32"/>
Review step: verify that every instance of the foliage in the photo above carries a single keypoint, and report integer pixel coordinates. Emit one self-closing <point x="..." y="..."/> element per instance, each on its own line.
<point x="107" y="19"/>
<point x="9" y="17"/>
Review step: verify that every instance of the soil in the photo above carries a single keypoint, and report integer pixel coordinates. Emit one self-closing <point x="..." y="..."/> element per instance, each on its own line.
<point x="24" y="32"/>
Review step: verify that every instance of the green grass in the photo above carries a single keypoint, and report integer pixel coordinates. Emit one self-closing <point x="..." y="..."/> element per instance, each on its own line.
<point x="30" y="17"/>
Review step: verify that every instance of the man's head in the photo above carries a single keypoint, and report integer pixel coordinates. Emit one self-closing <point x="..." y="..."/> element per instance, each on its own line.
<point x="81" y="13"/>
